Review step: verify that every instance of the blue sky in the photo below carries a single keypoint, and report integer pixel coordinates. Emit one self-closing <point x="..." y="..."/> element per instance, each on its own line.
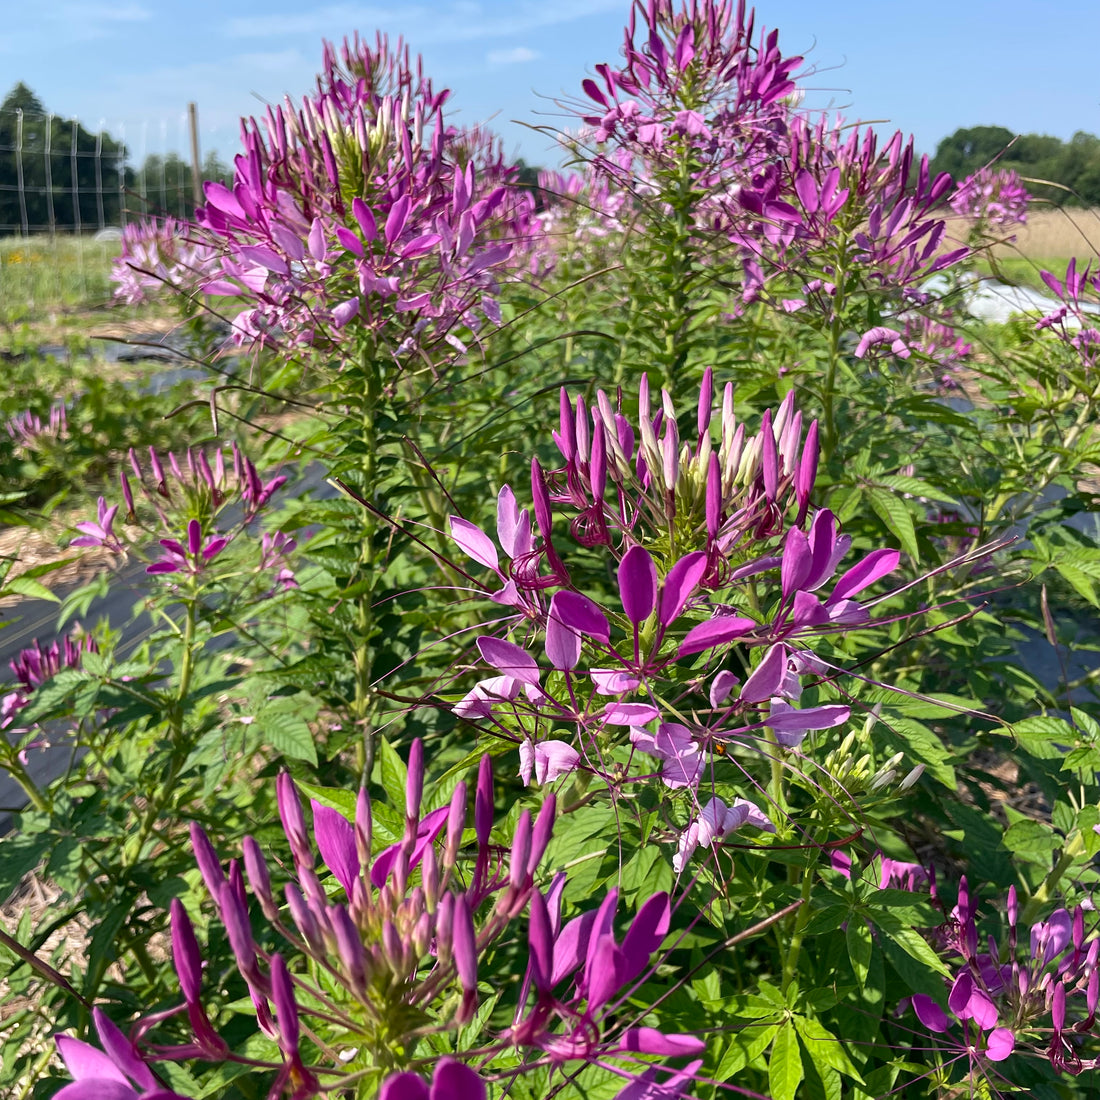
<point x="927" y="68"/>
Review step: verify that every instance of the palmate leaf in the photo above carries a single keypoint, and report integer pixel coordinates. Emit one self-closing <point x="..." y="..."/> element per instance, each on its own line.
<point x="746" y="1046"/>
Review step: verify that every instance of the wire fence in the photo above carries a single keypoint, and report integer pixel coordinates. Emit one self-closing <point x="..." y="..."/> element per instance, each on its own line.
<point x="67" y="189"/>
<point x="58" y="175"/>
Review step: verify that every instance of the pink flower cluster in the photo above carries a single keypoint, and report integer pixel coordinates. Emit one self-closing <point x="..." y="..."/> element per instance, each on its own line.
<point x="401" y="935"/>
<point x="159" y="255"/>
<point x="995" y="197"/>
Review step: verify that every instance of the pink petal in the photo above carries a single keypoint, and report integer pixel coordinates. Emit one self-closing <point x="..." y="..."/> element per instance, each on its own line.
<point x="1001" y="1043"/>
<point x="638" y="584"/>
<point x="876" y="564"/>
<point x="681" y="582"/>
<point x="474" y="542"/>
<point x="511" y="659"/>
<point x="766" y="677"/>
<point x="714" y="632"/>
<point x="85" y="1062"/>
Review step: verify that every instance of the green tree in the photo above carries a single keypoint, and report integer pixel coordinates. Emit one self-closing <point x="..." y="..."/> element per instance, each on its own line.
<point x="163" y="185"/>
<point x="54" y="174"/>
<point x="1074" y="165"/>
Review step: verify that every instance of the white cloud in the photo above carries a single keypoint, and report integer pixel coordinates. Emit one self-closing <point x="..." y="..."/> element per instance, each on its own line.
<point x="510" y="57"/>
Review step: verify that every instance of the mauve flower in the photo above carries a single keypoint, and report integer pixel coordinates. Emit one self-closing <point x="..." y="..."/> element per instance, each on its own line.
<point x="118" y="1074"/>
<point x="717" y="820"/>
<point x="101" y="532"/>
<point x="546" y="761"/>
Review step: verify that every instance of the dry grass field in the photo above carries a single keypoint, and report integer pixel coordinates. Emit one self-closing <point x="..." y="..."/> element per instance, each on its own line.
<point x="1057" y="234"/>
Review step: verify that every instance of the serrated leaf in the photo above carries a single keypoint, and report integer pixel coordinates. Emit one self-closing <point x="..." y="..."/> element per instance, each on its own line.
<point x="860" y="945"/>
<point x="392" y="773"/>
<point x="916" y="487"/>
<point x="289" y="733"/>
<point x="1031" y="836"/>
<point x="897" y="518"/>
<point x="744" y="1049"/>
<point x="1080" y="581"/>
<point x="785" y="1064"/>
<point x="339" y="799"/>
<point x="824" y="1047"/>
<point x="910" y="941"/>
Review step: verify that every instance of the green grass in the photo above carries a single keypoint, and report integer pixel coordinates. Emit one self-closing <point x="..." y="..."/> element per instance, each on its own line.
<point x="1022" y="270"/>
<point x="40" y="277"/>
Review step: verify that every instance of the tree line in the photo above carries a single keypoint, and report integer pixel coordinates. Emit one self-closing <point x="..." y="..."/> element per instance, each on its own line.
<point x="55" y="174"/>
<point x="1070" y="169"/>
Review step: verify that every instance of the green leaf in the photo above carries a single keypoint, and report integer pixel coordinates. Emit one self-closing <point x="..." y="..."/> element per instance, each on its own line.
<point x="1079" y="580"/>
<point x="26" y="586"/>
<point x="916" y="487"/>
<point x="897" y="518"/>
<point x="339" y="799"/>
<point x="860" y="945"/>
<point x="824" y="1048"/>
<point x="1041" y="734"/>
<point x="1031" y="836"/>
<point x="288" y="732"/>
<point x="745" y="1047"/>
<point x="785" y="1064"/>
<point x="910" y="941"/>
<point x="393" y="775"/>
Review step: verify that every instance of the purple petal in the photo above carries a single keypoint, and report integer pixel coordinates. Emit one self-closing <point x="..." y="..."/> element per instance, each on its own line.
<point x="474" y="542"/>
<point x="286" y="1008"/>
<point x="603" y="971"/>
<point x="789" y="720"/>
<point x="797" y="562"/>
<point x="455" y="1081"/>
<point x="929" y="1013"/>
<point x="629" y="714"/>
<point x="86" y="1063"/>
<point x="638" y="584"/>
<point x="681" y="582"/>
<point x="511" y="659"/>
<point x="876" y="564"/>
<point x="645" y="935"/>
<point x="563" y="644"/>
<point x="648" y="1040"/>
<point x="96" y="1088"/>
<point x="121" y="1051"/>
<point x="714" y="632"/>
<point x="194" y="537"/>
<point x="1001" y="1043"/>
<point x="365" y="218"/>
<point x="608" y="681"/>
<point x="572" y="945"/>
<point x="398" y="215"/>
<point x="185" y="953"/>
<point x="580" y="613"/>
<point x="766" y="677"/>
<point x="403" y="1086"/>
<point x="431" y="826"/>
<point x="959" y="997"/>
<point x="336" y="842"/>
<point x="553" y="759"/>
<point x="721" y="686"/>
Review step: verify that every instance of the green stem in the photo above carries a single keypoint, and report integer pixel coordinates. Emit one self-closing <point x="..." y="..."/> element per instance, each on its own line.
<point x="1074" y="849"/>
<point x="801" y="919"/>
<point x="26" y="784"/>
<point x="364" y="574"/>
